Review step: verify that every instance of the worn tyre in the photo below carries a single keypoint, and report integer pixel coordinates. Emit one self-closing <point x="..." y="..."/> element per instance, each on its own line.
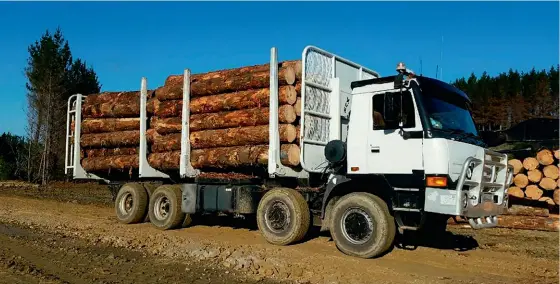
<point x="362" y="225"/>
<point x="165" y="207"/>
<point x="283" y="216"/>
<point x="131" y="203"/>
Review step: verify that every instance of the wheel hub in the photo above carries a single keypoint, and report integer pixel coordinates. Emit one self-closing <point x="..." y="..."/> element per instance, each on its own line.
<point x="357" y="226"/>
<point x="126" y="203"/>
<point x="161" y="208"/>
<point x="277" y="216"/>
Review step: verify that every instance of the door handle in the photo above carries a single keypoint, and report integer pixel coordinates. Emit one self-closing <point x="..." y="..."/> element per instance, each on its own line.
<point x="375" y="149"/>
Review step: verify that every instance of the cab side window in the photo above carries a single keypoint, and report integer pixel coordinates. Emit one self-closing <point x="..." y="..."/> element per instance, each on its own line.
<point x="382" y="104"/>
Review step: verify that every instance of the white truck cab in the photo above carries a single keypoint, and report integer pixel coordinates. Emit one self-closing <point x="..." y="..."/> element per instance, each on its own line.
<point x="418" y="133"/>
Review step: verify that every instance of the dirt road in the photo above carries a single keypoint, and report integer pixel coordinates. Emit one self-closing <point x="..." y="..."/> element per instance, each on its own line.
<point x="69" y="235"/>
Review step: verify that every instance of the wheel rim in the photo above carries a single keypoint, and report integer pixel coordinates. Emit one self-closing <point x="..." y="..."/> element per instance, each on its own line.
<point x="162" y="208"/>
<point x="126" y="203"/>
<point x="277" y="216"/>
<point x="357" y="226"/>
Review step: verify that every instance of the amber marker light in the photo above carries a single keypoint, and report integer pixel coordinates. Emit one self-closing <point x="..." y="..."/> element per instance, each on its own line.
<point x="436" y="181"/>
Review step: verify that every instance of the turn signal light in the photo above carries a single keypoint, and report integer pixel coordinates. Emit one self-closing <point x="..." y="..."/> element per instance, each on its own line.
<point x="436" y="181"/>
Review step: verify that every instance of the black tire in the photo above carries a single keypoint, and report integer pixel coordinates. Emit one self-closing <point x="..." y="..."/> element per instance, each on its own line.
<point x="283" y="216"/>
<point x="131" y="203"/>
<point x="371" y="240"/>
<point x="165" y="207"/>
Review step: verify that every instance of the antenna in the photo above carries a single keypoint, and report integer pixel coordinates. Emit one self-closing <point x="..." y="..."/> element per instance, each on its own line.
<point x="437" y="69"/>
<point x="441" y="58"/>
<point x="420" y="65"/>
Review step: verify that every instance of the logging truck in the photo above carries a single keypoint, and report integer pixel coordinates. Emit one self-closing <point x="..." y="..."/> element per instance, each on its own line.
<point x="377" y="156"/>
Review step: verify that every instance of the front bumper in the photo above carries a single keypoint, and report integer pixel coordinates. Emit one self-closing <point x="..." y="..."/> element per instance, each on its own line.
<point x="480" y="194"/>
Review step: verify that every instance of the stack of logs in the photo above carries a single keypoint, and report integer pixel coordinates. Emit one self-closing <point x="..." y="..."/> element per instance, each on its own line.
<point x="110" y="131"/>
<point x="536" y="178"/>
<point x="229" y="117"/>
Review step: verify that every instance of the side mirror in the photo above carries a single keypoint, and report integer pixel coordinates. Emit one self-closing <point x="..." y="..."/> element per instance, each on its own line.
<point x="391" y="108"/>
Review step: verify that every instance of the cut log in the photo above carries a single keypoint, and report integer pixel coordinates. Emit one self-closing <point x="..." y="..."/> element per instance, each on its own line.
<point x="104" y="152"/>
<point x="548" y="200"/>
<point x="534" y="175"/>
<point x="219" y="120"/>
<point x="551" y="171"/>
<point x="528" y="223"/>
<point x="521" y="210"/>
<point x="520" y="180"/>
<point x="111" y="139"/>
<point x="115" y="97"/>
<point x="241" y="136"/>
<point x="556" y="196"/>
<point x="530" y="163"/>
<point x="226" y="157"/>
<point x="533" y="192"/>
<point x="112" y="110"/>
<point x="517" y="165"/>
<point x="545" y="157"/>
<point x="178" y="79"/>
<point x="516" y="192"/>
<point x="100" y="125"/>
<point x="298" y="135"/>
<point x="548" y="184"/>
<point x="297" y="106"/>
<point x="557" y="154"/>
<point x="225" y="102"/>
<point x="110" y="162"/>
<point x="214" y="86"/>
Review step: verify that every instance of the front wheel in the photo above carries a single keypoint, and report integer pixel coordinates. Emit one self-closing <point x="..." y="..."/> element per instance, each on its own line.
<point x="283" y="216"/>
<point x="362" y="226"/>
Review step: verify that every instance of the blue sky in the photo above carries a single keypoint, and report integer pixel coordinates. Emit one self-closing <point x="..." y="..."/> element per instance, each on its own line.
<point x="124" y="41"/>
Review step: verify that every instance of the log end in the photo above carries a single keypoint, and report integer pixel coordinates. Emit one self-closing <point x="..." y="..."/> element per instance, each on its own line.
<point x="290" y="75"/>
<point x="517" y="165"/>
<point x="289" y="155"/>
<point x="545" y="157"/>
<point x="516" y="192"/>
<point x="297" y="106"/>
<point x="287" y="114"/>
<point x="520" y="180"/>
<point x="530" y="163"/>
<point x="533" y="192"/>
<point x="548" y="184"/>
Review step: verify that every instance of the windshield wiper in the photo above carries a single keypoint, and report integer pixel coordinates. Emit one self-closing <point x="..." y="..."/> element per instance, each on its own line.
<point x="461" y="133"/>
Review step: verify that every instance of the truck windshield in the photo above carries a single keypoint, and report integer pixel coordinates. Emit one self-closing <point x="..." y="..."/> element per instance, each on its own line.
<point x="447" y="110"/>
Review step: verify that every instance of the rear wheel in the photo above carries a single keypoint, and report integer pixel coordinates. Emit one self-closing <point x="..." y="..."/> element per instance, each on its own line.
<point x="362" y="226"/>
<point x="165" y="207"/>
<point x="131" y="203"/>
<point x="283" y="216"/>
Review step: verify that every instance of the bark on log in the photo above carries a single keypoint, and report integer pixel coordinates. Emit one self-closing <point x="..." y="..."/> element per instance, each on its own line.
<point x="241" y="136"/>
<point x="533" y="192"/>
<point x="297" y="106"/>
<point x="556" y="196"/>
<point x="298" y="89"/>
<point x="551" y="171"/>
<point x="226" y="157"/>
<point x="520" y="180"/>
<point x="298" y="135"/>
<point x="214" y="86"/>
<point x="224" y="102"/>
<point x="517" y="165"/>
<point x="534" y="175"/>
<point x="548" y="200"/>
<point x="110" y="162"/>
<point x="521" y="210"/>
<point x="545" y="157"/>
<point x="111" y="139"/>
<point x="104" y="152"/>
<point x="530" y="163"/>
<point x="100" y="125"/>
<point x="548" y="184"/>
<point x="528" y="223"/>
<point x="178" y="79"/>
<point x="220" y="120"/>
<point x="115" y="97"/>
<point x="112" y="110"/>
<point x="516" y="192"/>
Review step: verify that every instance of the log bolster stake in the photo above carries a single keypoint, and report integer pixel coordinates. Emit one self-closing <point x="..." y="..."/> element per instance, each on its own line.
<point x="185" y="167"/>
<point x="144" y="168"/>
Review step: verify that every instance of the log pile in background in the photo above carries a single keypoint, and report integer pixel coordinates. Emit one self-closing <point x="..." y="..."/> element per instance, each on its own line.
<point x="229" y="117"/>
<point x="110" y="131"/>
<point x="536" y="178"/>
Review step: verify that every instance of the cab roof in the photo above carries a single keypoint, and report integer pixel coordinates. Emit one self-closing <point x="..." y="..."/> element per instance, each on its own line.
<point x="424" y="82"/>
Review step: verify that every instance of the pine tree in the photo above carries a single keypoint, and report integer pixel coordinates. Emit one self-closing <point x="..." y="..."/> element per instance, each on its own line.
<point x="52" y="76"/>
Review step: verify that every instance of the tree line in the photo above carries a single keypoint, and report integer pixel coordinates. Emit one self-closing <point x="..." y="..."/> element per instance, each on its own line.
<point x="508" y="98"/>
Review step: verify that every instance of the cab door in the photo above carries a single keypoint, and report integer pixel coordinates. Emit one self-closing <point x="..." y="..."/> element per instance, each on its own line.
<point x="390" y="150"/>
